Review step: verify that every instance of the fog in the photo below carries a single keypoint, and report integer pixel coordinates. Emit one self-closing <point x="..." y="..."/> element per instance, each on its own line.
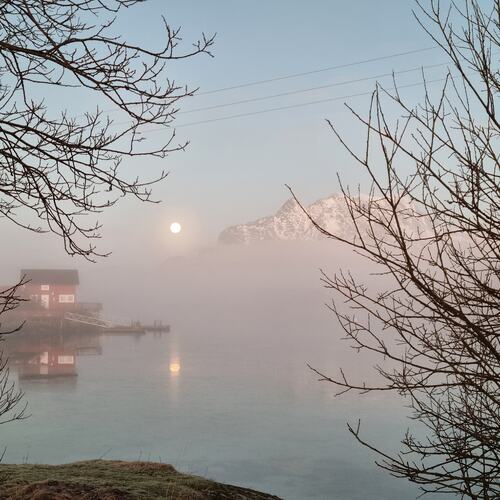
<point x="269" y="294"/>
<point x="165" y="345"/>
<point x="227" y="392"/>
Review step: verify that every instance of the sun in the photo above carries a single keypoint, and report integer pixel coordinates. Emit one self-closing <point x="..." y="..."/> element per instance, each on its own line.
<point x="175" y="228"/>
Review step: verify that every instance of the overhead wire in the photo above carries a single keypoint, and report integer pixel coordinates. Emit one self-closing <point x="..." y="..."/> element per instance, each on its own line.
<point x="310" y="89"/>
<point x="304" y="73"/>
<point x="298" y="105"/>
<point x="321" y="70"/>
<point x="299" y="91"/>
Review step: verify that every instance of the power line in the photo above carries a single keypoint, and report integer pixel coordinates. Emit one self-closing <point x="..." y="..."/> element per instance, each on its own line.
<point x="292" y="106"/>
<point x="312" y="72"/>
<point x="296" y="75"/>
<point x="294" y="92"/>
<point x="310" y="89"/>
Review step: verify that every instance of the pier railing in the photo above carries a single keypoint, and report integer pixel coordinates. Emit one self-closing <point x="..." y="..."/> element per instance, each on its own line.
<point x="88" y="320"/>
<point x="118" y="325"/>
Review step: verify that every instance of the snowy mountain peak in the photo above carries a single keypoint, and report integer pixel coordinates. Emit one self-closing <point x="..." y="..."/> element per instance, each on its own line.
<point x="289" y="206"/>
<point x="291" y="223"/>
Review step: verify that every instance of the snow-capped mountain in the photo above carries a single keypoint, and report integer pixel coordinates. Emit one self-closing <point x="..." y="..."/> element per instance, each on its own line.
<point x="291" y="223"/>
<point x="331" y="213"/>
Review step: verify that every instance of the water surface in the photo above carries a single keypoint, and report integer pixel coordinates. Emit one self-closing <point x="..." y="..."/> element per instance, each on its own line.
<point x="226" y="394"/>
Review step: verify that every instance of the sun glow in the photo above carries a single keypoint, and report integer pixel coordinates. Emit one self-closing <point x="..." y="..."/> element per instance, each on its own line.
<point x="174" y="367"/>
<point x="175" y="228"/>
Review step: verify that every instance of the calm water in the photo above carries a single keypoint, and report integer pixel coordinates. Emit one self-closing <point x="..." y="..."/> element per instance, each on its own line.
<point x="225" y="394"/>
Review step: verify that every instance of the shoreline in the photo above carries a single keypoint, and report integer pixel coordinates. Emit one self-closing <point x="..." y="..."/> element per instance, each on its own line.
<point x="114" y="480"/>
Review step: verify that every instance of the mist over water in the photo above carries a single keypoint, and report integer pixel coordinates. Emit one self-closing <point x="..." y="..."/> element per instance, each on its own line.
<point x="227" y="393"/>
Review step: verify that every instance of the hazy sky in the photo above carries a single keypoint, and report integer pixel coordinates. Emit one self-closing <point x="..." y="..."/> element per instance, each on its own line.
<point x="235" y="170"/>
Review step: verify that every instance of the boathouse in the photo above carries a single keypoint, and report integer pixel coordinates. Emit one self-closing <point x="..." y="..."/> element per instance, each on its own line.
<point x="52" y="289"/>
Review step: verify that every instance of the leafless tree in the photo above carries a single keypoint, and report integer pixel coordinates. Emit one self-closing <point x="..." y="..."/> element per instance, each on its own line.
<point x="435" y="236"/>
<point x="10" y="396"/>
<point x="63" y="167"/>
<point x="58" y="167"/>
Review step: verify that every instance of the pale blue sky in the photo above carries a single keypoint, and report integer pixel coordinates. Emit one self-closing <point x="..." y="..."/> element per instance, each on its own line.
<point x="235" y="170"/>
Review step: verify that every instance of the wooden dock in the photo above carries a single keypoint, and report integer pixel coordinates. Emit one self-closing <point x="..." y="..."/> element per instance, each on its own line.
<point x="78" y="322"/>
<point x="137" y="328"/>
<point x="107" y="326"/>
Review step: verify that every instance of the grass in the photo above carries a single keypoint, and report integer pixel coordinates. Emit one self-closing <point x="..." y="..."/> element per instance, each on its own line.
<point x="113" y="480"/>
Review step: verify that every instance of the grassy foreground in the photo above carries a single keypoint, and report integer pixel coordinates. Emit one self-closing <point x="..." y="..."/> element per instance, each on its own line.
<point x="113" y="480"/>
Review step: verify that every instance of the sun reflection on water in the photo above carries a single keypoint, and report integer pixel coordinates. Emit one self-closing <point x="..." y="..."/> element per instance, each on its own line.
<point x="174" y="367"/>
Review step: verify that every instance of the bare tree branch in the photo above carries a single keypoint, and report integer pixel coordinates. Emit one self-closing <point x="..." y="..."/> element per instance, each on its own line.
<point x="436" y="328"/>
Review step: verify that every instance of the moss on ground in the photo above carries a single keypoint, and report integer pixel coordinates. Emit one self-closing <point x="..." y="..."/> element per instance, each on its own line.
<point x="113" y="480"/>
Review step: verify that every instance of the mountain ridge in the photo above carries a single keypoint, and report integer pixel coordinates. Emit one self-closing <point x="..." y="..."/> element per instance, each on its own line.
<point x="290" y="222"/>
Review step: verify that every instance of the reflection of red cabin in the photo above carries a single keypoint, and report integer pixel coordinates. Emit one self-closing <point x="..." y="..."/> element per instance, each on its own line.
<point x="49" y="364"/>
<point x="53" y="289"/>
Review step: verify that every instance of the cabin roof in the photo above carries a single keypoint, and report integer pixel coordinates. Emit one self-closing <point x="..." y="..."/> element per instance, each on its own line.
<point x="51" y="276"/>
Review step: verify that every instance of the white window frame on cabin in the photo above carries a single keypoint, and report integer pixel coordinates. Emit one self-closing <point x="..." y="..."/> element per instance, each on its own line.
<point x="44" y="288"/>
<point x="65" y="359"/>
<point x="66" y="299"/>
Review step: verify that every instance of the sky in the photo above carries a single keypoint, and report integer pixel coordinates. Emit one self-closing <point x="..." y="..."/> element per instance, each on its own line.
<point x="235" y="170"/>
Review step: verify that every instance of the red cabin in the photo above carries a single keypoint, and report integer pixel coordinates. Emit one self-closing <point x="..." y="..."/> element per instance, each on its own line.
<point x="52" y="289"/>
